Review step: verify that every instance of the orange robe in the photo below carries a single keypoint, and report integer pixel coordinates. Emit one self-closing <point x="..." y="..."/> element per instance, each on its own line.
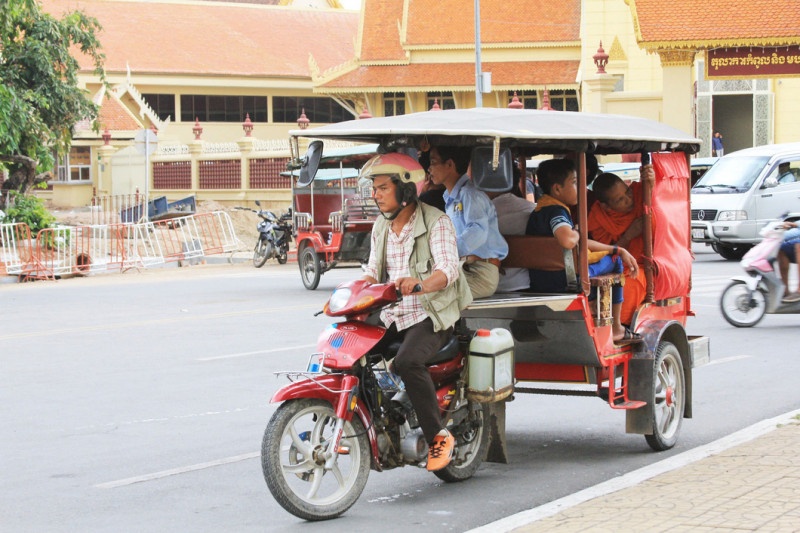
<point x="607" y="226"/>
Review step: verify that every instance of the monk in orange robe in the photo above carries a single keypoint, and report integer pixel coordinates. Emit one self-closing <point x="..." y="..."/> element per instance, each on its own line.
<point x="616" y="218"/>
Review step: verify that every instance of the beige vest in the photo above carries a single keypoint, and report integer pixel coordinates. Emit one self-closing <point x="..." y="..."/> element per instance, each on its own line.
<point x="444" y="306"/>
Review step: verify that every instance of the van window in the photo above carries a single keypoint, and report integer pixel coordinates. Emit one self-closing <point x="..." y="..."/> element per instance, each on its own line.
<point x="786" y="172"/>
<point x="733" y="173"/>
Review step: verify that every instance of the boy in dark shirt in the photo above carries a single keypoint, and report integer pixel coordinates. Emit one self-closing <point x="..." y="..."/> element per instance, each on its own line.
<point x="559" y="181"/>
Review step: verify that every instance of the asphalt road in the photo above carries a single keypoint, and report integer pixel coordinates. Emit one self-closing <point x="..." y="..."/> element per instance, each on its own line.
<point x="137" y="402"/>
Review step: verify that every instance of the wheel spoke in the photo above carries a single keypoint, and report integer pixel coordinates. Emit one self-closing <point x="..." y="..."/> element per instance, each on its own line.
<point x="300" y="468"/>
<point x="337" y="474"/>
<point x="303" y="446"/>
<point x="316" y="482"/>
<point x="317" y="436"/>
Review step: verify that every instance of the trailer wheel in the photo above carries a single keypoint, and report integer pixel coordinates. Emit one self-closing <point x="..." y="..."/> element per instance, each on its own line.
<point x="669" y="397"/>
<point x="310" y="268"/>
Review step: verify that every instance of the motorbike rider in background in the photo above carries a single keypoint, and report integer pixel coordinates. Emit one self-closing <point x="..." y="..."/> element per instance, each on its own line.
<point x="414" y="245"/>
<point x="788" y="255"/>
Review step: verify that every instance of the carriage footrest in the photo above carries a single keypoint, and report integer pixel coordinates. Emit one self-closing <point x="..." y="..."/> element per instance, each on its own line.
<point x="629" y="404"/>
<point x="618" y="396"/>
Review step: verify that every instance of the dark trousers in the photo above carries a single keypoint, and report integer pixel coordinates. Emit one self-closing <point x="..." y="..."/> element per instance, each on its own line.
<point x="420" y="344"/>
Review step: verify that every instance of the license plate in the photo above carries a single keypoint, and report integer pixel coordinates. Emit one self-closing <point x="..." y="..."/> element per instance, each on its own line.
<point x="698" y="233"/>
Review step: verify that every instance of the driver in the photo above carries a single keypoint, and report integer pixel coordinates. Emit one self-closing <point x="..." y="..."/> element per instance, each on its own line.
<point x="414" y="245"/>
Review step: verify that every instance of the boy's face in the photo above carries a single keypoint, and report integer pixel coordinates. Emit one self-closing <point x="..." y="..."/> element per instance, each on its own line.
<point x="566" y="192"/>
<point x="619" y="198"/>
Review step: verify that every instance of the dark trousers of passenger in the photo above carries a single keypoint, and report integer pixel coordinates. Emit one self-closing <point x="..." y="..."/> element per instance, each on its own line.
<point x="420" y="344"/>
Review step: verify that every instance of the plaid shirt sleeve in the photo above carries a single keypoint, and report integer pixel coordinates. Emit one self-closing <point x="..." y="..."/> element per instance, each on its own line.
<point x="369" y="269"/>
<point x="442" y="238"/>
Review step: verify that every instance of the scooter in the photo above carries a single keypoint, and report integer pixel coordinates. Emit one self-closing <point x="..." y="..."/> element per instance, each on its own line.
<point x="747" y="299"/>
<point x="274" y="236"/>
<point x="347" y="412"/>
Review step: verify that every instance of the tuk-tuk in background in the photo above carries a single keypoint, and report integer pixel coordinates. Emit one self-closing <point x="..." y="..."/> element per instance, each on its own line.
<point x="333" y="218"/>
<point x="565" y="340"/>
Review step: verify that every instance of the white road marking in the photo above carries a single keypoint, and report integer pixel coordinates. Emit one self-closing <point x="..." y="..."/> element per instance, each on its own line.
<point x="728" y="359"/>
<point x="176" y="471"/>
<point x="245" y="354"/>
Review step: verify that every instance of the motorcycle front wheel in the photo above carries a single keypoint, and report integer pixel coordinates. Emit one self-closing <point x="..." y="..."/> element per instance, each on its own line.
<point x="293" y="461"/>
<point x="261" y="253"/>
<point x="472" y="444"/>
<point x="741" y="307"/>
<point x="283" y="255"/>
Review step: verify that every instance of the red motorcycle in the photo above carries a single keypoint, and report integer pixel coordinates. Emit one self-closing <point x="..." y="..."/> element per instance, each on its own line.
<point x="348" y="413"/>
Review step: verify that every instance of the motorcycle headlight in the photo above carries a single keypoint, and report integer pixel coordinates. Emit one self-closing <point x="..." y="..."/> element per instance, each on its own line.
<point x="727" y="216"/>
<point x="339" y="299"/>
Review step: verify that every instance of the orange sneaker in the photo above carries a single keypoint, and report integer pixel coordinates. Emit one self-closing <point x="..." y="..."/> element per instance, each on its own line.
<point x="440" y="452"/>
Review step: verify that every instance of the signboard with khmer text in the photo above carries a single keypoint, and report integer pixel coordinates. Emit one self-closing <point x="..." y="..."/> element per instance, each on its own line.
<point x="753" y="62"/>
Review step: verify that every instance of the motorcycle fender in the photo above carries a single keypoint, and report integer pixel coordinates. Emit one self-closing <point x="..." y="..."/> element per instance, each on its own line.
<point x="751" y="281"/>
<point x="328" y="388"/>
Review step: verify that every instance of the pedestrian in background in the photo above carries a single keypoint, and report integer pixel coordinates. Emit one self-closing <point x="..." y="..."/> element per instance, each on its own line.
<point x="717" y="150"/>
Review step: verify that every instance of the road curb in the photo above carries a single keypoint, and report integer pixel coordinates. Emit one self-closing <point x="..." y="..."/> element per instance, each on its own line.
<point x="631" y="479"/>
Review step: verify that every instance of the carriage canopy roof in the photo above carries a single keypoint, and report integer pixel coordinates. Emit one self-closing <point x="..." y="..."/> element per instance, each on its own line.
<point x="530" y="131"/>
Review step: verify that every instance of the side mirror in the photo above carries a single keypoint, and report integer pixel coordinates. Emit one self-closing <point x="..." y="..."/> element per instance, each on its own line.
<point x="258" y="203"/>
<point x="310" y="164"/>
<point x="770" y="182"/>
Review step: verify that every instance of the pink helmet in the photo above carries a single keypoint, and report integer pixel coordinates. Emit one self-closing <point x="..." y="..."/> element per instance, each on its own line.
<point x="394" y="164"/>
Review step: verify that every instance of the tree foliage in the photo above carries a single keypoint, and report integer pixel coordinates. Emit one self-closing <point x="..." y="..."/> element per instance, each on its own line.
<point x="31" y="211"/>
<point x="40" y="100"/>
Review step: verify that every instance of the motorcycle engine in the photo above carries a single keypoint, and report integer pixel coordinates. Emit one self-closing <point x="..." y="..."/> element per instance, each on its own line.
<point x="414" y="447"/>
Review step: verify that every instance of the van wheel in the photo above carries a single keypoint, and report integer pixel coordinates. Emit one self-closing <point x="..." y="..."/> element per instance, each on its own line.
<point x="731" y="253"/>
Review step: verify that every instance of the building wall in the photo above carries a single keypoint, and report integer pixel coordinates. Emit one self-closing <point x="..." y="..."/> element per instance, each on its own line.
<point x="787" y="109"/>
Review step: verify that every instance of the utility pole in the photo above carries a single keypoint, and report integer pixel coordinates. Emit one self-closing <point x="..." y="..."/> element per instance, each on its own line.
<point x="478" y="75"/>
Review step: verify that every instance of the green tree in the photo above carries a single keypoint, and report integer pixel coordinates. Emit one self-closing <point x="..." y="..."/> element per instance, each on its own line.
<point x="40" y="100"/>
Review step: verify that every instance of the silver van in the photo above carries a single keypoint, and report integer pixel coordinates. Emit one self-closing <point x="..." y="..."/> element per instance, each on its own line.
<point x="741" y="193"/>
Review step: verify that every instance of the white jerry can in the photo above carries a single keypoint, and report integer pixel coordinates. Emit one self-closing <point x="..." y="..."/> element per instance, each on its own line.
<point x="491" y="365"/>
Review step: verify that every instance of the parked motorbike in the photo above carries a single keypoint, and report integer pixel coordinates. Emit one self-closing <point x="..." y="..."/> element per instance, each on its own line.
<point x="747" y="299"/>
<point x="274" y="236"/>
<point x="348" y="413"/>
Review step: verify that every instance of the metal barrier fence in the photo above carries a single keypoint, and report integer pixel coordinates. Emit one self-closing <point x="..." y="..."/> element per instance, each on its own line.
<point x="109" y="209"/>
<point x="16" y="247"/>
<point x="80" y="250"/>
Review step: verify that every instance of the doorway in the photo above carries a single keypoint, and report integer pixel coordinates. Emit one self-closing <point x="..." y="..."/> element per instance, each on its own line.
<point x="732" y="116"/>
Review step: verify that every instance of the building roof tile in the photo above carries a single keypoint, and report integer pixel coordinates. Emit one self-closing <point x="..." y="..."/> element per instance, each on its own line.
<point x="717" y="22"/>
<point x="380" y="36"/>
<point x="455" y="76"/>
<point x="216" y="39"/>
<point x="449" y="22"/>
<point x="116" y="117"/>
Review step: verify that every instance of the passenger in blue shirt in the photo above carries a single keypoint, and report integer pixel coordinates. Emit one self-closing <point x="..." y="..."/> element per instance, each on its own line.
<point x="480" y="245"/>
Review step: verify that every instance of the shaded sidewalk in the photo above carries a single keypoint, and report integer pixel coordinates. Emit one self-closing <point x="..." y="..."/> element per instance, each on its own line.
<point x="747" y="481"/>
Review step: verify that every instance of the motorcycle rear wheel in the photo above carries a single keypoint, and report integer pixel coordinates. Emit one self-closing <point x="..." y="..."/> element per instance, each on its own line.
<point x="261" y="253"/>
<point x="472" y="444"/>
<point x="294" y="469"/>
<point x="741" y="307"/>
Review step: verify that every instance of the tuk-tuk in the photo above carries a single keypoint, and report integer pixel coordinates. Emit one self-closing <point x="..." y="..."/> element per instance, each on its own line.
<point x="563" y="343"/>
<point x="333" y="218"/>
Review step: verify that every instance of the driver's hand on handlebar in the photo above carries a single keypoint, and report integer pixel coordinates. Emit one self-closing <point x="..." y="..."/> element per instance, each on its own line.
<point x="408" y="286"/>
